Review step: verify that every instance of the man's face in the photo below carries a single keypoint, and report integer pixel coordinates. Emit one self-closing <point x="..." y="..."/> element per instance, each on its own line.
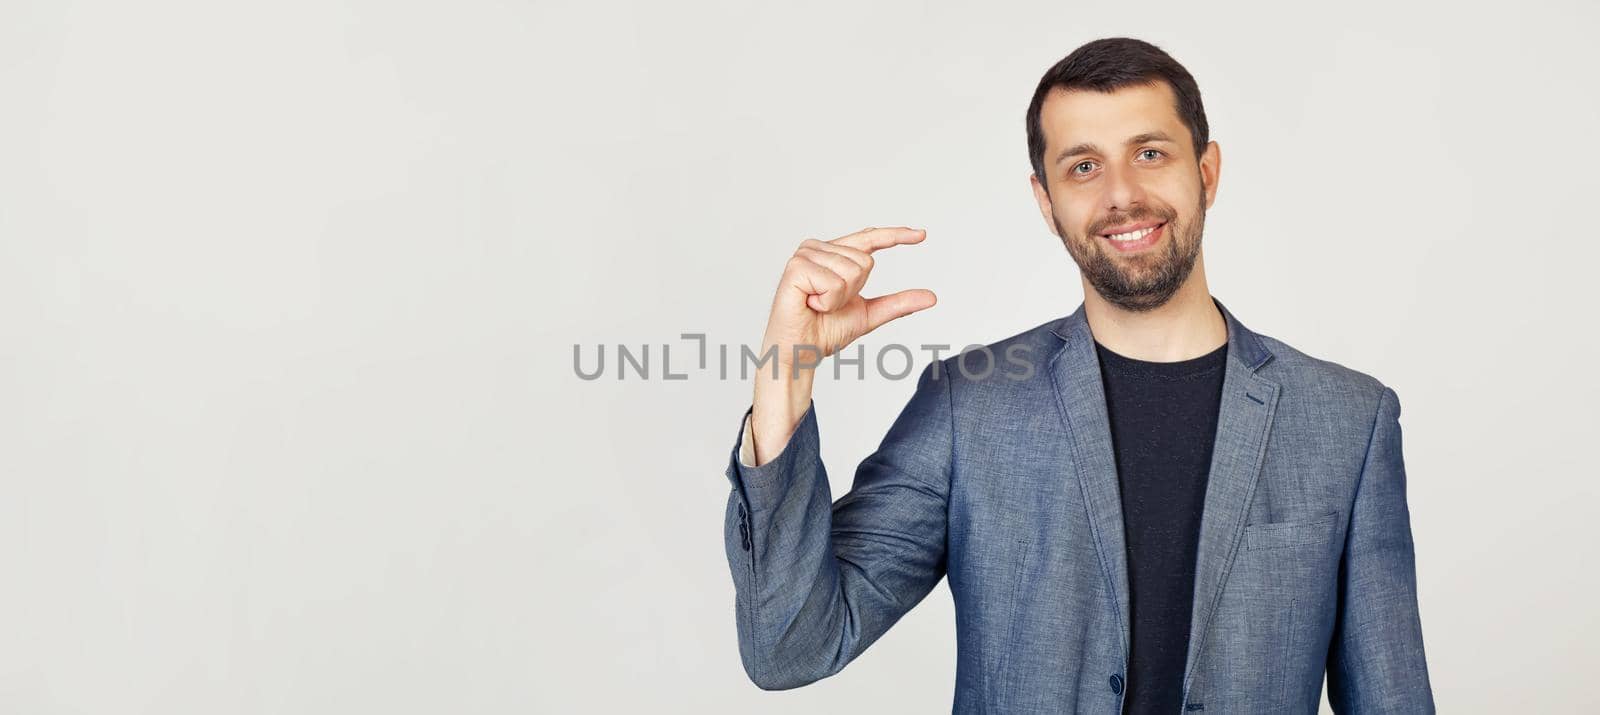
<point x="1127" y="195"/>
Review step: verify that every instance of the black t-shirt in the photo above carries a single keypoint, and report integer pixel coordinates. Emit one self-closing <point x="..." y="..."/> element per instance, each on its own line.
<point x="1163" y="425"/>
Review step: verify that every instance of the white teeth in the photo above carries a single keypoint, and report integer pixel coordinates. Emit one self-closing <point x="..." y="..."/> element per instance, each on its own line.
<point x="1132" y="235"/>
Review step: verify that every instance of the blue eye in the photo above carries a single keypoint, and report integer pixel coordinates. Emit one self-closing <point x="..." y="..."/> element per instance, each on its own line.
<point x="1080" y="165"/>
<point x="1150" y="151"/>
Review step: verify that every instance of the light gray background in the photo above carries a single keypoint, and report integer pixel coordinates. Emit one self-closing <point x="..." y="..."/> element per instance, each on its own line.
<point x="289" y="291"/>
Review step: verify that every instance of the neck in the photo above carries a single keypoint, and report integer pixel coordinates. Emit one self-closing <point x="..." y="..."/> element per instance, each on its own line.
<point x="1186" y="326"/>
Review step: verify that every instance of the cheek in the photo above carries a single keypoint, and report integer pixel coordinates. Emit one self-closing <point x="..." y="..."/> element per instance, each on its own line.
<point x="1073" y="214"/>
<point x="1185" y="194"/>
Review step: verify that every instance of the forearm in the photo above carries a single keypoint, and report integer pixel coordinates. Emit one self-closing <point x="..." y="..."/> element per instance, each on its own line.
<point x="818" y="582"/>
<point x="789" y="602"/>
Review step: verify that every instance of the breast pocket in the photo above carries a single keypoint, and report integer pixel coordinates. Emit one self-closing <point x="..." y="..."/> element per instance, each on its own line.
<point x="1286" y="534"/>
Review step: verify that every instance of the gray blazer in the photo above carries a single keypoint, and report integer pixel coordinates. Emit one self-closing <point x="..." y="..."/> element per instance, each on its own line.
<point x="1007" y="483"/>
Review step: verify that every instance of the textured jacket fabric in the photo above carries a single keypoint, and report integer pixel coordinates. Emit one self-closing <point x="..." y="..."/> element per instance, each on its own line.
<point x="1005" y="481"/>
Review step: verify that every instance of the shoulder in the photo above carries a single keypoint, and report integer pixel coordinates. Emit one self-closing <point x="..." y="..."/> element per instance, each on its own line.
<point x="1320" y="382"/>
<point x="1040" y="339"/>
<point x="1015" y="362"/>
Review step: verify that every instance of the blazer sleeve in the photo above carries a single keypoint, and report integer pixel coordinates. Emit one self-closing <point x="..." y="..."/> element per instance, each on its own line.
<point x="818" y="581"/>
<point x="1376" y="662"/>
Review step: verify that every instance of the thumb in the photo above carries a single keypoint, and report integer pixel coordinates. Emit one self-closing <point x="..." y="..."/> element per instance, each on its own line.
<point x="885" y="308"/>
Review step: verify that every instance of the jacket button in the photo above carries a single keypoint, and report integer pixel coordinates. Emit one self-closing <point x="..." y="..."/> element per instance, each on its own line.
<point x="1116" y="684"/>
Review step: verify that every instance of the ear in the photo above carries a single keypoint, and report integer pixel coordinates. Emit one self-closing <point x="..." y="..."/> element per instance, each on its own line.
<point x="1045" y="209"/>
<point x="1211" y="171"/>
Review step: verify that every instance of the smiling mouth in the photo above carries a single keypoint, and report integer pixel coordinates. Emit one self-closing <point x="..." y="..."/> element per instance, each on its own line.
<point x="1133" y="234"/>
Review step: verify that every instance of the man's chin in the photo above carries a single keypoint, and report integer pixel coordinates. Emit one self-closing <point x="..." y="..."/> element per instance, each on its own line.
<point x="1135" y="301"/>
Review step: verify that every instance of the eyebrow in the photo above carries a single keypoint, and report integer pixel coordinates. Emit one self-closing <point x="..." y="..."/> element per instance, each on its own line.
<point x="1090" y="148"/>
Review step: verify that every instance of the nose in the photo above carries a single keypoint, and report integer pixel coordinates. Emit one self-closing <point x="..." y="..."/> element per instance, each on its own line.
<point x="1123" y="190"/>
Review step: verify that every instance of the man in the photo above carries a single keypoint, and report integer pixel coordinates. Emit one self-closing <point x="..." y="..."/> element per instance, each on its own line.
<point x="1169" y="514"/>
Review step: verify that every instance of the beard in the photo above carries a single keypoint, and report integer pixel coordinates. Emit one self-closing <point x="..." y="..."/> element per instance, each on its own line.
<point x="1144" y="281"/>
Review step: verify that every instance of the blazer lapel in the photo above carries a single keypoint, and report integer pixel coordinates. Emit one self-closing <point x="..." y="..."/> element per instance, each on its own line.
<point x="1080" y="394"/>
<point x="1243" y="422"/>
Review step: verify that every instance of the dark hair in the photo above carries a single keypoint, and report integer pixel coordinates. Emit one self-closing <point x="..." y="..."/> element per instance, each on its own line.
<point x="1110" y="64"/>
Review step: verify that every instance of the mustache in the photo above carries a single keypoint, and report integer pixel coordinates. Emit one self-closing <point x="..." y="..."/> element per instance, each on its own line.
<point x="1154" y="213"/>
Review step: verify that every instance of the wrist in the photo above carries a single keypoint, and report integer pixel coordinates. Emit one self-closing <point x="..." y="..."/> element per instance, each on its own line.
<point x="779" y="405"/>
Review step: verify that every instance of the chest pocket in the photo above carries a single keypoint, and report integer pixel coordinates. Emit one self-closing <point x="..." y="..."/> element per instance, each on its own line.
<point x="1286" y="534"/>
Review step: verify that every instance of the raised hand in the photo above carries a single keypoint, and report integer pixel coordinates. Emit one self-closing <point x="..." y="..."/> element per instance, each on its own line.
<point x="818" y="307"/>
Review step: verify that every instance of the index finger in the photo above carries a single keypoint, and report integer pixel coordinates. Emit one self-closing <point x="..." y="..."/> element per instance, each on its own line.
<point x="873" y="238"/>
